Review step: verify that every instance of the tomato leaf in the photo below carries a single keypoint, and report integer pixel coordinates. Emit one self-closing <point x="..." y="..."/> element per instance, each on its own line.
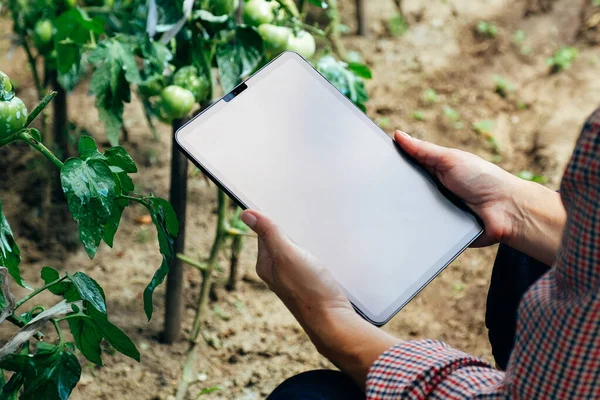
<point x="10" y="255"/>
<point x="53" y="376"/>
<point x="167" y="226"/>
<point x="118" y="157"/>
<point x="87" y="338"/>
<point x="89" y="187"/>
<point x="239" y="57"/>
<point x="49" y="275"/>
<point x="318" y="3"/>
<point x="89" y="290"/>
<point x="360" y="70"/>
<point x="115" y="70"/>
<point x="87" y="148"/>
<point x="10" y="391"/>
<point x="74" y="28"/>
<point x="113" y="335"/>
<point x="346" y="80"/>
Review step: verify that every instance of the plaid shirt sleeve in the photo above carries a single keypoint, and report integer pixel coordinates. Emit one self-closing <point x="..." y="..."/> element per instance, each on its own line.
<point x="557" y="344"/>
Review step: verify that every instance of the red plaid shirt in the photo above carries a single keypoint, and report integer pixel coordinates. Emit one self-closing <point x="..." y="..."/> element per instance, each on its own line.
<point x="557" y="344"/>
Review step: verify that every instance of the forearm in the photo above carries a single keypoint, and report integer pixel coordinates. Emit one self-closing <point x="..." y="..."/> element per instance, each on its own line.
<point x="348" y="341"/>
<point x="538" y="220"/>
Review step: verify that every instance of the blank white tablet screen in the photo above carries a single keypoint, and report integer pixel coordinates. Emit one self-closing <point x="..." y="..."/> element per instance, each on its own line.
<point x="293" y="147"/>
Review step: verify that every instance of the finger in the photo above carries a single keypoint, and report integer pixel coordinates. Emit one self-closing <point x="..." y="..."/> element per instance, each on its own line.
<point x="428" y="154"/>
<point x="266" y="229"/>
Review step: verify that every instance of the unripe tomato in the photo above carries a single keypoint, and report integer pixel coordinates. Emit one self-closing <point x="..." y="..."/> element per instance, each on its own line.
<point x="275" y="37"/>
<point x="257" y="12"/>
<point x="176" y="101"/>
<point x="13" y="115"/>
<point x="187" y="78"/>
<point x="109" y="3"/>
<point x="303" y="44"/>
<point x="223" y="7"/>
<point x="42" y="34"/>
<point x="71" y="3"/>
<point x="5" y="83"/>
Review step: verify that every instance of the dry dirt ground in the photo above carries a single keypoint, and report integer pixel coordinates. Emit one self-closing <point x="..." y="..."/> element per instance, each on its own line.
<point x="259" y="343"/>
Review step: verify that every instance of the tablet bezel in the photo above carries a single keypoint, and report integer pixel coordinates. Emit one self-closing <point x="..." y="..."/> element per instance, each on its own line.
<point x="430" y="274"/>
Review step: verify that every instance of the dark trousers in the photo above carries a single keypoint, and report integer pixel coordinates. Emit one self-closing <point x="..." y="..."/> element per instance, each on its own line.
<point x="513" y="273"/>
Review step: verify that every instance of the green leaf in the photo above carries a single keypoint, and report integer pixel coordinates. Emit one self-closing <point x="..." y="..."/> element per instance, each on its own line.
<point x="360" y="70"/>
<point x="89" y="290"/>
<point x="53" y="376"/>
<point x="113" y="335"/>
<point x="250" y="48"/>
<point x="49" y="275"/>
<point x="318" y="3"/>
<point x="87" y="338"/>
<point x="344" y="79"/>
<point x="240" y="57"/>
<point x="165" y="220"/>
<point x="87" y="147"/>
<point x="165" y="209"/>
<point x="74" y="28"/>
<point x="10" y="255"/>
<point x="89" y="187"/>
<point x="115" y="69"/>
<point x="230" y="68"/>
<point x="10" y="391"/>
<point x="118" y="157"/>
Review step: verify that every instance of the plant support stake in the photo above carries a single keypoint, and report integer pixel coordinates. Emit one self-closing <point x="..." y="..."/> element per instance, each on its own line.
<point x="178" y="198"/>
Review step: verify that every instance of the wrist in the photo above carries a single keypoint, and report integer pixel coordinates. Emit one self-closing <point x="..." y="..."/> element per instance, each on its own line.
<point x="537" y="220"/>
<point x="348" y="341"/>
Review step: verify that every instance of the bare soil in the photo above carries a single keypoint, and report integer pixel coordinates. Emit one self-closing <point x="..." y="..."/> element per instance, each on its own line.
<point x="254" y="343"/>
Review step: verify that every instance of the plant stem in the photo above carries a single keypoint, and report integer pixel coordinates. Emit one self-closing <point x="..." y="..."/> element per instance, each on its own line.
<point x="198" y="265"/>
<point x="223" y="202"/>
<point x="236" y="248"/>
<point x="25" y="136"/>
<point x="58" y="330"/>
<point x="72" y="316"/>
<point x="17" y="321"/>
<point x="37" y="291"/>
<point x="139" y="200"/>
<point x="40" y="107"/>
<point x="33" y="65"/>
<point x="188" y="367"/>
<point x="334" y="30"/>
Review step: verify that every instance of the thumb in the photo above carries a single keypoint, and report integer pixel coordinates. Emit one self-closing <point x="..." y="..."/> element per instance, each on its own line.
<point x="428" y="154"/>
<point x="265" y="228"/>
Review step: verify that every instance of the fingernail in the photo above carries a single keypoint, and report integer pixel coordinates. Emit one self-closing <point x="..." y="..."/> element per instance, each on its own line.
<point x="406" y="135"/>
<point x="249" y="219"/>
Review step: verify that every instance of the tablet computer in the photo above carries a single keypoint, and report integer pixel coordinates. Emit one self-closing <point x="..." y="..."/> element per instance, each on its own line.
<point x="288" y="143"/>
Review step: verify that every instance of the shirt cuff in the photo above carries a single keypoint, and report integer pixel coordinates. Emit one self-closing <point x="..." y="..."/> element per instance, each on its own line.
<point x="414" y="369"/>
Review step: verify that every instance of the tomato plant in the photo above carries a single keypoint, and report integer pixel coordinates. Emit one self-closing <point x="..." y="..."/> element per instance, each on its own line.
<point x="98" y="188"/>
<point x="176" y="57"/>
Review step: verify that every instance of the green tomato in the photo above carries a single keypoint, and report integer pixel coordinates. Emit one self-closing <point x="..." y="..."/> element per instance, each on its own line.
<point x="176" y="101"/>
<point x="109" y="3"/>
<point x="258" y="12"/>
<point x="5" y="83"/>
<point x="13" y="115"/>
<point x="71" y="3"/>
<point x="187" y="78"/>
<point x="303" y="44"/>
<point x="223" y="7"/>
<point x="275" y="37"/>
<point x="42" y="34"/>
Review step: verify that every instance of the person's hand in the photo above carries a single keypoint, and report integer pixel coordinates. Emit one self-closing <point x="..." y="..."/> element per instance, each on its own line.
<point x="316" y="300"/>
<point x="306" y="288"/>
<point x="486" y="188"/>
